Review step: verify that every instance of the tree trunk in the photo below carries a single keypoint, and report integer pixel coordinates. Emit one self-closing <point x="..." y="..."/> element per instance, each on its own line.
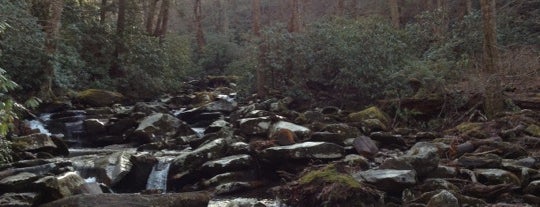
<point x="340" y="8"/>
<point x="429" y="5"/>
<point x="294" y="21"/>
<point x="151" y="16"/>
<point x="394" y="12"/>
<point x="256" y="12"/>
<point x="103" y="12"/>
<point x="199" y="34"/>
<point x="162" y="24"/>
<point x="494" y="101"/>
<point x="52" y="30"/>
<point x="116" y="70"/>
<point x="468" y="6"/>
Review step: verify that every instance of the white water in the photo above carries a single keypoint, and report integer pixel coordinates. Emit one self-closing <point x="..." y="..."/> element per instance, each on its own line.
<point x="244" y="202"/>
<point x="158" y="177"/>
<point x="39" y="123"/>
<point x="199" y="131"/>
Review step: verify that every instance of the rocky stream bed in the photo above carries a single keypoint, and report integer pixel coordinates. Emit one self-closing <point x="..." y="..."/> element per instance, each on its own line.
<point x="203" y="148"/>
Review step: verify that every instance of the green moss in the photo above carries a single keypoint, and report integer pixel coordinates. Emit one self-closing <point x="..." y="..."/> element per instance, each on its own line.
<point x="329" y="174"/>
<point x="370" y="113"/>
<point x="467" y="127"/>
<point x="534" y="130"/>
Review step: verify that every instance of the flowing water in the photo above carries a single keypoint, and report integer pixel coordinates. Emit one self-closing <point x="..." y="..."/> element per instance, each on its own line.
<point x="157" y="180"/>
<point x="39" y="124"/>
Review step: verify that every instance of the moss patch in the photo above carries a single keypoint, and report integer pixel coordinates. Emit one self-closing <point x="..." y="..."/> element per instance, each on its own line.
<point x="370" y="113"/>
<point x="329" y="174"/>
<point x="534" y="130"/>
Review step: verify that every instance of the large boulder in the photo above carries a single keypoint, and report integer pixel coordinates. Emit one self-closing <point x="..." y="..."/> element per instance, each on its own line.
<point x="227" y="164"/>
<point x="65" y="185"/>
<point x="255" y="126"/>
<point x="109" y="169"/>
<point x="19" y="199"/>
<point x="192" y="199"/>
<point x="300" y="131"/>
<point x="98" y="98"/>
<point x="18" y="182"/>
<point x="370" y="113"/>
<point x="35" y="143"/>
<point x="160" y="126"/>
<point x="393" y="181"/>
<point x="210" y="151"/>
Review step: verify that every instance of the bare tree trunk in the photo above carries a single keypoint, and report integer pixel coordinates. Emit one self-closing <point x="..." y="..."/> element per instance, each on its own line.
<point x="164" y="20"/>
<point x="151" y="16"/>
<point x="354" y="7"/>
<point x="256" y="12"/>
<point x="429" y="5"/>
<point x="340" y="8"/>
<point x="294" y="21"/>
<point x="494" y="100"/>
<point x="116" y="71"/>
<point x="103" y="12"/>
<point x="52" y="31"/>
<point x="394" y="12"/>
<point x="199" y="34"/>
<point x="468" y="6"/>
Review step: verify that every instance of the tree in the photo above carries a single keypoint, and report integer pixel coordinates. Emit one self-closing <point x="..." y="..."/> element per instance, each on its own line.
<point x="103" y="12"/>
<point x="468" y="6"/>
<point x="199" y="33"/>
<point x="151" y="14"/>
<point x="494" y="100"/>
<point x="256" y="13"/>
<point x="52" y="31"/>
<point x="116" y="71"/>
<point x="394" y="12"/>
<point x="261" y="80"/>
<point x="340" y="7"/>
<point x="294" y="20"/>
<point x="163" y="21"/>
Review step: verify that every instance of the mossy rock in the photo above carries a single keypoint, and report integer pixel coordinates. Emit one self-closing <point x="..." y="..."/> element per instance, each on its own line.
<point x="98" y="97"/>
<point x="330" y="186"/>
<point x="533" y="130"/>
<point x="370" y="113"/>
<point x="473" y="129"/>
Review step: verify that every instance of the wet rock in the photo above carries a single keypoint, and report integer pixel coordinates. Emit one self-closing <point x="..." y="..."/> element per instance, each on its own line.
<point x="356" y="161"/>
<point x="225" y="164"/>
<point x="284" y="137"/>
<point x="234" y="187"/>
<point x="160" y="126"/>
<point x="305" y="150"/>
<point x="35" y="143"/>
<point x="98" y="98"/>
<point x="300" y="131"/>
<point x="310" y="117"/>
<point x="239" y="148"/>
<point x="118" y="127"/>
<point x="210" y="151"/>
<point x="18" y="182"/>
<point x="438" y="184"/>
<point x="443" y="172"/>
<point x="95" y="126"/>
<point x="217" y="126"/>
<point x="479" y="161"/>
<point x="372" y="125"/>
<point x="64" y="185"/>
<point x="388" y="139"/>
<point x="192" y="199"/>
<point x="19" y="199"/>
<point x="497" y="176"/>
<point x="533" y="188"/>
<point x="424" y="157"/>
<point x="365" y="146"/>
<point x="108" y="169"/>
<point x="255" y="126"/>
<point x="370" y="113"/>
<point x="443" y="199"/>
<point x="221" y="105"/>
<point x="142" y="167"/>
<point x="393" y="181"/>
<point x="148" y="108"/>
<point x="227" y="178"/>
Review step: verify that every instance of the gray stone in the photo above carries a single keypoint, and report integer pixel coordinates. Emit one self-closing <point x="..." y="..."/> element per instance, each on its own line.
<point x="18" y="199"/>
<point x="255" y="126"/>
<point x="35" y="143"/>
<point x="95" y="126"/>
<point x="233" y="187"/>
<point x="497" y="176"/>
<point x="388" y="180"/>
<point x="160" y="126"/>
<point x="17" y="182"/>
<point x="300" y="131"/>
<point x="533" y="188"/>
<point x="109" y="169"/>
<point x="230" y="163"/>
<point x="388" y="139"/>
<point x="210" y="151"/>
<point x="65" y="185"/>
<point x="480" y="161"/>
<point x="305" y="150"/>
<point x="443" y="199"/>
<point x="365" y="146"/>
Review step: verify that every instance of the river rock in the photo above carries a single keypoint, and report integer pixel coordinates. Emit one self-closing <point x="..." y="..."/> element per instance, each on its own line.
<point x="135" y="180"/>
<point x="393" y="181"/>
<point x="533" y="130"/>
<point x="533" y="188"/>
<point x="480" y="161"/>
<point x="19" y="199"/>
<point x="192" y="199"/>
<point x="18" y="182"/>
<point x="98" y="98"/>
<point x="230" y="163"/>
<point x="210" y="151"/>
<point x="149" y="108"/>
<point x="365" y="146"/>
<point x="255" y="126"/>
<point x="388" y="140"/>
<point x="160" y="126"/>
<point x="217" y="126"/>
<point x="234" y="187"/>
<point x="497" y="176"/>
<point x="35" y="143"/>
<point x="443" y="199"/>
<point x="328" y="137"/>
<point x="302" y="151"/>
<point x="119" y="126"/>
<point x="344" y="130"/>
<point x="109" y="169"/>
<point x="227" y="177"/>
<point x="300" y="131"/>
<point x="370" y="113"/>
<point x="64" y="185"/>
<point x="95" y="126"/>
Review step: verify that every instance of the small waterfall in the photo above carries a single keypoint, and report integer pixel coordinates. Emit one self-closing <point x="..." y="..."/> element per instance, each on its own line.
<point x="40" y="123"/>
<point x="199" y="131"/>
<point x="157" y="180"/>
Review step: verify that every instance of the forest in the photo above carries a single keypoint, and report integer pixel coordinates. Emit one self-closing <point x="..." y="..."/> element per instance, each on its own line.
<point x="270" y="103"/>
